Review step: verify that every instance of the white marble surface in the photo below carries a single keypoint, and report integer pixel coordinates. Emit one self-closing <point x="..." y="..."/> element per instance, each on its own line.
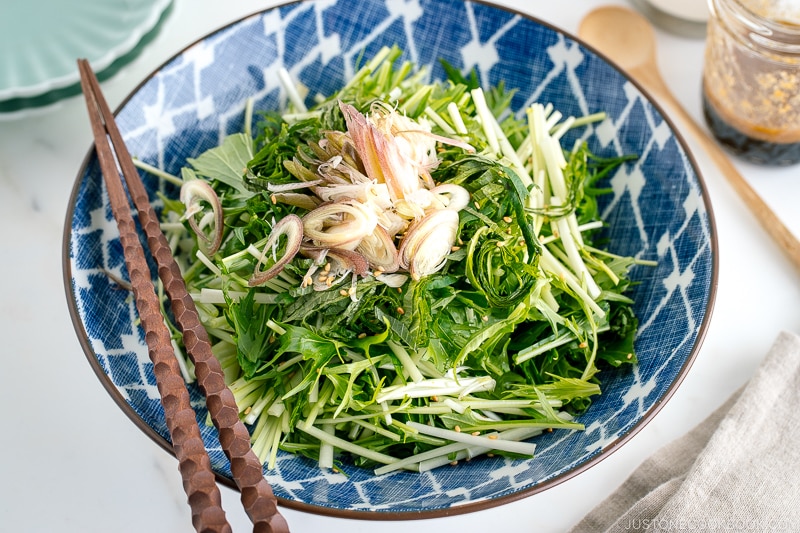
<point x="72" y="462"/>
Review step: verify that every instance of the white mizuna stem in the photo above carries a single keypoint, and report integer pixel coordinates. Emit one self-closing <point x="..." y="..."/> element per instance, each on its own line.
<point x="445" y="451"/>
<point x="522" y="448"/>
<point x="377" y="429"/>
<point x="552" y="120"/>
<point x="573" y="254"/>
<point x="511" y="154"/>
<point x="549" y="262"/>
<point x="439" y="121"/>
<point x="207" y="262"/>
<point x="562" y="128"/>
<point x="597" y="224"/>
<point x="405" y="360"/>
<point x="486" y="118"/>
<point x="474" y="451"/>
<point x="326" y="448"/>
<point x="436" y="387"/>
<point x="166" y="176"/>
<point x="458" y="120"/>
<point x="217" y="296"/>
<point x="342" y="444"/>
<point x="291" y="90"/>
<point x="555" y="174"/>
<point x="441" y="456"/>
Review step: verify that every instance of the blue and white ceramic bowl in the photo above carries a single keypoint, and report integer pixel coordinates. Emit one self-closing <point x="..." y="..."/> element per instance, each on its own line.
<point x="659" y="210"/>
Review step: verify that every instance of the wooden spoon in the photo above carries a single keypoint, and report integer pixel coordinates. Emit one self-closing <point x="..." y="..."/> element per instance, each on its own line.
<point x="626" y="38"/>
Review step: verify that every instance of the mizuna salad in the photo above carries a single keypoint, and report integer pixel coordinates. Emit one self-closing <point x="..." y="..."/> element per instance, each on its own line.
<point x="406" y="274"/>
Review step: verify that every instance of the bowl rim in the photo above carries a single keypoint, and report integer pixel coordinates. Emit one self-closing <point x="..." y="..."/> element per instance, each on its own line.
<point x="437" y="512"/>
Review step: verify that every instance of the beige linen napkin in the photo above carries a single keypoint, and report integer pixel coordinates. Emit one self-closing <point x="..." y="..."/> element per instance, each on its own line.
<point x="737" y="471"/>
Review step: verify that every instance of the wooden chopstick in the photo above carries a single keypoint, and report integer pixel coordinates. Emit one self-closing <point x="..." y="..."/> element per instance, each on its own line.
<point x="195" y="466"/>
<point x="257" y="496"/>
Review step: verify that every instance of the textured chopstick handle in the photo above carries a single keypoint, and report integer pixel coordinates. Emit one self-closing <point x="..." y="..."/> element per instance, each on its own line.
<point x="195" y="466"/>
<point x="257" y="496"/>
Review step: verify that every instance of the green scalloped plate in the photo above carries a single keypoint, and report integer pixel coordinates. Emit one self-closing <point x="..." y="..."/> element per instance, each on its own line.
<point x="41" y="40"/>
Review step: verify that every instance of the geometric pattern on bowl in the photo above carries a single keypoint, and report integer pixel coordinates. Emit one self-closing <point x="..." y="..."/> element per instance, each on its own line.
<point x="659" y="210"/>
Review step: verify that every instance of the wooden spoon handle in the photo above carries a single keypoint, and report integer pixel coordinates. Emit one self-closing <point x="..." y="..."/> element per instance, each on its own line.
<point x="766" y="217"/>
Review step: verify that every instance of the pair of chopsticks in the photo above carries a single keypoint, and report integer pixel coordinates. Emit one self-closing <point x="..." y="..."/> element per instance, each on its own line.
<point x="195" y="466"/>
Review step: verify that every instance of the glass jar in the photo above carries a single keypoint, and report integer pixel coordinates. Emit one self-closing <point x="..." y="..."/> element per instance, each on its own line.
<point x="751" y="78"/>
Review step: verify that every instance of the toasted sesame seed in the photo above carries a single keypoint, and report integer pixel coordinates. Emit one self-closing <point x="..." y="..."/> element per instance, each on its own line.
<point x="455" y="248"/>
<point x="343" y="292"/>
<point x="507" y="220"/>
<point x="453" y="463"/>
<point x="493" y="437"/>
<point x="476" y="433"/>
<point x="274" y="199"/>
<point x="327" y="267"/>
<point x="401" y="310"/>
<point x="629" y="356"/>
<point x="362" y="335"/>
<point x="457" y="429"/>
<point x="500" y="244"/>
<point x="584" y="344"/>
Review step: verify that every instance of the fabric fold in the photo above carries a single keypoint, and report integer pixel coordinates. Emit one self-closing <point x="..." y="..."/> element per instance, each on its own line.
<point x="736" y="471"/>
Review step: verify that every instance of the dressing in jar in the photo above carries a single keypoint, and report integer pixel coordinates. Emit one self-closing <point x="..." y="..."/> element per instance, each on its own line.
<point x="751" y="78"/>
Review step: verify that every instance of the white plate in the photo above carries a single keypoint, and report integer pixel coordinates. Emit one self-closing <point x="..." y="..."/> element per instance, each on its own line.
<point x="41" y="40"/>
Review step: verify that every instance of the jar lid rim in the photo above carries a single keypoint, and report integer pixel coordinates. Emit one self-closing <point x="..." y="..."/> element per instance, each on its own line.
<point x="779" y="36"/>
<point x="784" y="24"/>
